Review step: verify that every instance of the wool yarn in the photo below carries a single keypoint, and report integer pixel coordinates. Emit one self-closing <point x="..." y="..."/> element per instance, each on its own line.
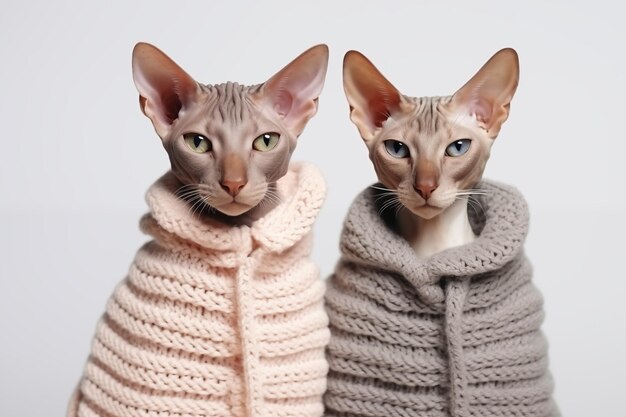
<point x="456" y="334"/>
<point x="215" y="320"/>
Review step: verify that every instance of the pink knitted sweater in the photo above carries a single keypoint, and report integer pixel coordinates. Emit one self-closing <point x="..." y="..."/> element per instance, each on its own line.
<point x="215" y="320"/>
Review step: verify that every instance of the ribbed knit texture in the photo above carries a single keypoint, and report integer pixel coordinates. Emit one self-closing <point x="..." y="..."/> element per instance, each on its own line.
<point x="457" y="334"/>
<point x="215" y="320"/>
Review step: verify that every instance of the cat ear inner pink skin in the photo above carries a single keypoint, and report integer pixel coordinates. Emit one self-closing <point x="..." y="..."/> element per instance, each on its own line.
<point x="165" y="89"/>
<point x="487" y="95"/>
<point x="294" y="90"/>
<point x="372" y="98"/>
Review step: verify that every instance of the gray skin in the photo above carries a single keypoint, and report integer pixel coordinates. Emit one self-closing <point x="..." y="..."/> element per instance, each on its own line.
<point x="430" y="152"/>
<point x="426" y="179"/>
<point x="229" y="177"/>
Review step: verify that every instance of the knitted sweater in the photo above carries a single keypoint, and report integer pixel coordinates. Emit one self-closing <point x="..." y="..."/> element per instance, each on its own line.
<point x="457" y="334"/>
<point x="214" y="320"/>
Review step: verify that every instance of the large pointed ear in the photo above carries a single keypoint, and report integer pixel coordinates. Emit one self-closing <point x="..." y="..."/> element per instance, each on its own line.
<point x="164" y="87"/>
<point x="487" y="96"/>
<point x="293" y="92"/>
<point x="372" y="98"/>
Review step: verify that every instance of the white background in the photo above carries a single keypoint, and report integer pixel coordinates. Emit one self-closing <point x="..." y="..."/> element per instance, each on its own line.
<point x="76" y="156"/>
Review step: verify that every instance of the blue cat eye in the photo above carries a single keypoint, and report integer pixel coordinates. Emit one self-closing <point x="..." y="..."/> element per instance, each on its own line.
<point x="396" y="148"/>
<point x="458" y="147"/>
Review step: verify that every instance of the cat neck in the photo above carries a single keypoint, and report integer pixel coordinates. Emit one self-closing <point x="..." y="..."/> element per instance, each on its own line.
<point x="429" y="236"/>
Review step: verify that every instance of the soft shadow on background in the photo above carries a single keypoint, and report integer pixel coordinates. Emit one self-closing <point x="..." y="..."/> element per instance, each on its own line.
<point x="77" y="156"/>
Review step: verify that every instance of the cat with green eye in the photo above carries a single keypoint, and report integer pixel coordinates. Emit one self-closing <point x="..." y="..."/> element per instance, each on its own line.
<point x="222" y="311"/>
<point x="228" y="144"/>
<point x="200" y="144"/>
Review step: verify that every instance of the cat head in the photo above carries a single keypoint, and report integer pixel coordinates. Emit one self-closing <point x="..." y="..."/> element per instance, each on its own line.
<point x="430" y="150"/>
<point x="228" y="143"/>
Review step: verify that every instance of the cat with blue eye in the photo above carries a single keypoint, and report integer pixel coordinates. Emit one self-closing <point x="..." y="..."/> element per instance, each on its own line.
<point x="432" y="308"/>
<point x="398" y="149"/>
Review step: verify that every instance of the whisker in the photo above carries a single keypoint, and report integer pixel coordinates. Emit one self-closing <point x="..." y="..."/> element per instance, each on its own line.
<point x="184" y="187"/>
<point x="207" y="204"/>
<point x="470" y="194"/>
<point x="399" y="208"/>
<point x="199" y="207"/>
<point x="380" y="188"/>
<point x="194" y="207"/>
<point x="272" y="195"/>
<point x="269" y="199"/>
<point x="463" y="193"/>
<point x="392" y="202"/>
<point x="476" y="191"/>
<point x="385" y="195"/>
<point x="188" y="195"/>
<point x="475" y="204"/>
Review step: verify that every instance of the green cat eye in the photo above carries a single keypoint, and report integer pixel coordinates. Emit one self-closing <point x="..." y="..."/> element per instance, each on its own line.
<point x="396" y="148"/>
<point x="197" y="143"/>
<point x="458" y="147"/>
<point x="266" y="142"/>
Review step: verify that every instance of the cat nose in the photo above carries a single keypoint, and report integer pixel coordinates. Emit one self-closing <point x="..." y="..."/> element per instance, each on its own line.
<point x="425" y="189"/>
<point x="233" y="187"/>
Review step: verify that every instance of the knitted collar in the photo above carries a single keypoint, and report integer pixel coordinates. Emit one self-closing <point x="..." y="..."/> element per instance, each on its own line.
<point x="369" y="239"/>
<point x="303" y="192"/>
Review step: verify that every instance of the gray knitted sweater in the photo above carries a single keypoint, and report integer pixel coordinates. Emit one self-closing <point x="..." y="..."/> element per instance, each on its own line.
<point x="457" y="334"/>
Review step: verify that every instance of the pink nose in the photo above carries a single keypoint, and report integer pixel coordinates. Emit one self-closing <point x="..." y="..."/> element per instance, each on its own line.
<point x="425" y="190"/>
<point x="233" y="187"/>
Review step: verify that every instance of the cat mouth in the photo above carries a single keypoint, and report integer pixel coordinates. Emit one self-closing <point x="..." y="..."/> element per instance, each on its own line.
<point x="233" y="208"/>
<point x="237" y="204"/>
<point x="427" y="205"/>
<point x="426" y="210"/>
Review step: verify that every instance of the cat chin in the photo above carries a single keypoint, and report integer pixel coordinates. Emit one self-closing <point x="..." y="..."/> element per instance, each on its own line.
<point x="234" y="209"/>
<point x="426" y="212"/>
